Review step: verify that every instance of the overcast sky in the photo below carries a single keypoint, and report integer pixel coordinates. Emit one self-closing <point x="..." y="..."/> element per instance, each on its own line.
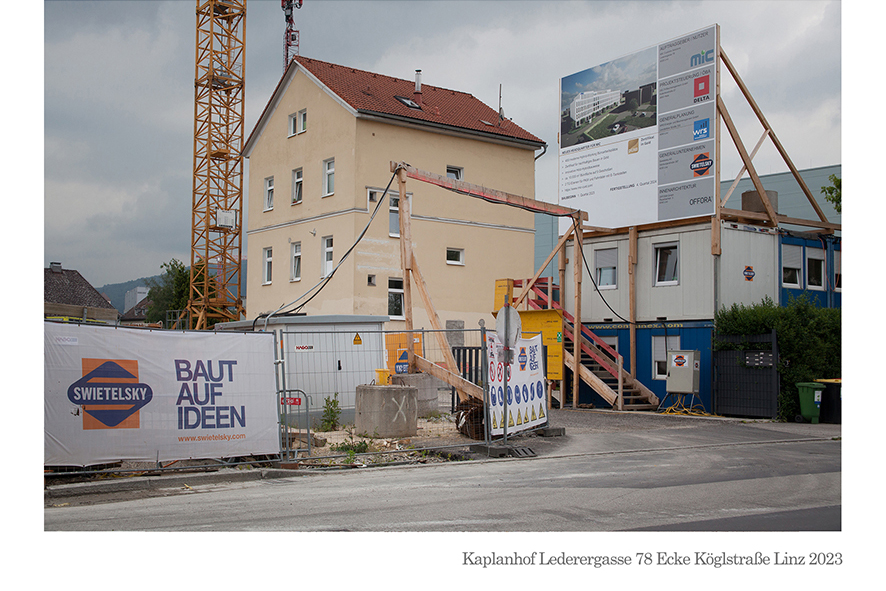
<point x="119" y="92"/>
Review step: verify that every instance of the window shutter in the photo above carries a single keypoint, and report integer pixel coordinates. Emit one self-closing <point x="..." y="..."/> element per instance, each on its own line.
<point x="792" y="256"/>
<point x="606" y="257"/>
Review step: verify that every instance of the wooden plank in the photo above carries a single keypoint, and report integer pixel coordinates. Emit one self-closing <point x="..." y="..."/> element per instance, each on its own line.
<point x="587" y="376"/>
<point x="744" y="168"/>
<point x="757" y="216"/>
<point x="405" y="216"/>
<point x="454" y="380"/>
<point x="485" y="193"/>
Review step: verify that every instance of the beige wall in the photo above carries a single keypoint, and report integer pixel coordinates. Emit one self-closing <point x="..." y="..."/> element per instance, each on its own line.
<point x="330" y="134"/>
<point x="498" y="241"/>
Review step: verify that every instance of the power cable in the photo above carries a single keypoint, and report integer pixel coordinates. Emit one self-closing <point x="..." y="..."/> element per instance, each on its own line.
<point x="317" y="288"/>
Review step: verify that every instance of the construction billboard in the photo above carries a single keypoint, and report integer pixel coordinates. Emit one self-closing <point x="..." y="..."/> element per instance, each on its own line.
<point x="517" y="393"/>
<point x="114" y="394"/>
<point x="638" y="138"/>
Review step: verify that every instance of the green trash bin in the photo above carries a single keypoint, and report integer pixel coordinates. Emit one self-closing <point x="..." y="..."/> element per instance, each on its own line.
<point x="810" y="401"/>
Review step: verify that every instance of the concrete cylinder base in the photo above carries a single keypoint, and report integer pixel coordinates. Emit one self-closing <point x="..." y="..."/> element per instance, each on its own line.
<point x="386" y="411"/>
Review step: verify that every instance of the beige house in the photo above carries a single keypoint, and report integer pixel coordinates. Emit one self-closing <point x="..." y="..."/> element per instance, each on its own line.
<point x="319" y="161"/>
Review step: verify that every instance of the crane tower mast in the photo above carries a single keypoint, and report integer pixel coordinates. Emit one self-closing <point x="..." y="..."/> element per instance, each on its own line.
<point x="217" y="211"/>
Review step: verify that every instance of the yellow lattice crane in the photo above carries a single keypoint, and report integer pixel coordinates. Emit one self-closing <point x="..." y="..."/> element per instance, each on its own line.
<point x="217" y="212"/>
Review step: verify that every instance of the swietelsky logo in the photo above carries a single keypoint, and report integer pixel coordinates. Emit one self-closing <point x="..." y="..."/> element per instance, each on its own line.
<point x="701" y="164"/>
<point x="110" y="394"/>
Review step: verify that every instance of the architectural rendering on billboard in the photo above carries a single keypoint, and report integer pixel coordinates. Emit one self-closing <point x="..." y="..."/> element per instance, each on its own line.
<point x="638" y="134"/>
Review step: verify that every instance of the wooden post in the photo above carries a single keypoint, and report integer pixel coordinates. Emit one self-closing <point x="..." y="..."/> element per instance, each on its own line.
<point x="576" y="328"/>
<point x="406" y="264"/>
<point x="632" y="294"/>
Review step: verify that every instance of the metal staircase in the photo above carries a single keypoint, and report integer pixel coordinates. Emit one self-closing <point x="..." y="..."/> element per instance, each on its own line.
<point x="598" y="364"/>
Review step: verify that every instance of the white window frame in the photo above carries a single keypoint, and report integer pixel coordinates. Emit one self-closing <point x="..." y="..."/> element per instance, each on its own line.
<point x="460" y="254"/>
<point x="328" y="177"/>
<point x="295" y="262"/>
<point x="792" y="258"/>
<point x="817" y="255"/>
<point x="269" y="193"/>
<point x="267" y="265"/>
<point x="393" y="216"/>
<point x="602" y="258"/>
<point x="660" y="349"/>
<point x="298" y="186"/>
<point x="657" y="250"/>
<point x="455" y="172"/>
<point x="838" y="270"/>
<point x="298" y="122"/>
<point x="327" y="262"/>
<point x="399" y="293"/>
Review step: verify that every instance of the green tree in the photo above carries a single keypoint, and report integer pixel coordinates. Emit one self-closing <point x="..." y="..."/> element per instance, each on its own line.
<point x="832" y="193"/>
<point x="170" y="292"/>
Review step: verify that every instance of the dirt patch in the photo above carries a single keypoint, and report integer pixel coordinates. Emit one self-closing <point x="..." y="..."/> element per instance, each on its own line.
<point x="345" y="447"/>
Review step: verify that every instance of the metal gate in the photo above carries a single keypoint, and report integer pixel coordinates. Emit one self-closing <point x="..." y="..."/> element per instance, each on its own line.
<point x="746" y="380"/>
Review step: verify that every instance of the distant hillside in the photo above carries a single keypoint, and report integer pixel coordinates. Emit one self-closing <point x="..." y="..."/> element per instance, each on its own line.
<point x="117" y="291"/>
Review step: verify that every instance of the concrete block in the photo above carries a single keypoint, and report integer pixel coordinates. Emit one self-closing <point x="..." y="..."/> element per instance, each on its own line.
<point x="551" y="432"/>
<point x="388" y="411"/>
<point x="493" y="451"/>
<point x="426" y="390"/>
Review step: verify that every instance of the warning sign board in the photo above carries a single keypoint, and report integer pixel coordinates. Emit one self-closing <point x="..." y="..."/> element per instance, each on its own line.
<point x="524" y="397"/>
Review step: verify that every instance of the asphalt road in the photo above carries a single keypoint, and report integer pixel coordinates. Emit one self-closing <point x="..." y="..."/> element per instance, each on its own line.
<point x="610" y="472"/>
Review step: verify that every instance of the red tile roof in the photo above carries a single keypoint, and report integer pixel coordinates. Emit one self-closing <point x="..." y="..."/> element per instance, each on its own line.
<point x="371" y="93"/>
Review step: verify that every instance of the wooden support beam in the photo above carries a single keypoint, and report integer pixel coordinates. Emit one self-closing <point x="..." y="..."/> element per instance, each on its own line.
<point x="775" y="141"/>
<point x="633" y="239"/>
<point x="758" y="184"/>
<point x="757" y="216"/>
<point x="577" y="270"/>
<point x="541" y="269"/>
<point x="454" y="380"/>
<point x="403" y="210"/>
<point x="435" y="322"/>
<point x="486" y="194"/>
<point x="744" y="168"/>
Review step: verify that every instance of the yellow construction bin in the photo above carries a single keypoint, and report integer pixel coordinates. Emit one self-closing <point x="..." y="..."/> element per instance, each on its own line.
<point x="382" y="376"/>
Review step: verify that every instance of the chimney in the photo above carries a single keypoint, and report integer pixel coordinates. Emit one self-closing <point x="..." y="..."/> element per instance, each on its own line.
<point x="417" y="95"/>
<point x="55" y="267"/>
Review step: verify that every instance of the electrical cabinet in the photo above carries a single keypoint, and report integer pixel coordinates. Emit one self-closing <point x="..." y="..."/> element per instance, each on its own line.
<point x="683" y="372"/>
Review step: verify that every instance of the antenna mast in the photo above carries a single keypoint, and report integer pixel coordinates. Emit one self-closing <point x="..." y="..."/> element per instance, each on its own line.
<point x="290" y="39"/>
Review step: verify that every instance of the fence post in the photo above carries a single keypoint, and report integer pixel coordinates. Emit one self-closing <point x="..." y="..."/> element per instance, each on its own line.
<point x="484" y="376"/>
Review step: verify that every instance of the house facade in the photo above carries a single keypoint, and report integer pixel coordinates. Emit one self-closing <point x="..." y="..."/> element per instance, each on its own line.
<point x="319" y="162"/>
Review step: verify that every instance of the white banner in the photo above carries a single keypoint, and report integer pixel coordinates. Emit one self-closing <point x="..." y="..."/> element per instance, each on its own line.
<point x="526" y="395"/>
<point x="114" y="394"/>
